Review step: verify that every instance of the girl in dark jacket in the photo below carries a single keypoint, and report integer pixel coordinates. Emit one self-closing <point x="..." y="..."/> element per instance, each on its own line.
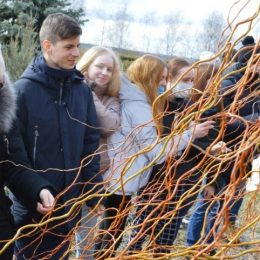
<point x="239" y="99"/>
<point x="13" y="174"/>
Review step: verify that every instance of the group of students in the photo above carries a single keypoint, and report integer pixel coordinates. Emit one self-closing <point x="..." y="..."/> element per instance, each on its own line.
<point x="150" y="167"/>
<point x="100" y="141"/>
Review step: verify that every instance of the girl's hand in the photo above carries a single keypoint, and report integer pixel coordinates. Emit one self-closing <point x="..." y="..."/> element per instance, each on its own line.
<point x="209" y="192"/>
<point x="99" y="210"/>
<point x="201" y="130"/>
<point x="47" y="202"/>
<point x="219" y="148"/>
<point x="90" y="83"/>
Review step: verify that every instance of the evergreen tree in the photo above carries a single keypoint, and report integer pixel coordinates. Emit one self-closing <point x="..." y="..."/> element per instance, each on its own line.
<point x="20" y="51"/>
<point x="15" y="14"/>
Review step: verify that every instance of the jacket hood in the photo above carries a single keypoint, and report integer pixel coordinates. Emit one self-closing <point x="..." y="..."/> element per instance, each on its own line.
<point x="38" y="70"/>
<point x="129" y="91"/>
<point x="7" y="106"/>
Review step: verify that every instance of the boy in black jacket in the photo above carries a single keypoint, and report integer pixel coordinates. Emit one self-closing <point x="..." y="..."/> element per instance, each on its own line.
<point x="58" y="122"/>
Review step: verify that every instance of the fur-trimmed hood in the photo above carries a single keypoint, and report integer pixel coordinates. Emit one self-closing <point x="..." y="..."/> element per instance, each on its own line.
<point x="7" y="106"/>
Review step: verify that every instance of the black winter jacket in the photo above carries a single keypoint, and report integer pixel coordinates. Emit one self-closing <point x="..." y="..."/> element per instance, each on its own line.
<point x="58" y="123"/>
<point x="189" y="162"/>
<point x="23" y="182"/>
<point x="250" y="109"/>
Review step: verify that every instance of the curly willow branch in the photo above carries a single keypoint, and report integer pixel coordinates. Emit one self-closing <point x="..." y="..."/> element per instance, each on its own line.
<point x="164" y="210"/>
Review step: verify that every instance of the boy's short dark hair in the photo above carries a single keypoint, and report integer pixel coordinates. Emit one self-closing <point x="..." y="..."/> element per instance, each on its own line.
<point x="59" y="26"/>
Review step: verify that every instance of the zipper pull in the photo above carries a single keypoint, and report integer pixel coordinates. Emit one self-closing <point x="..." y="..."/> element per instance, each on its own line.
<point x="36" y="135"/>
<point x="7" y="144"/>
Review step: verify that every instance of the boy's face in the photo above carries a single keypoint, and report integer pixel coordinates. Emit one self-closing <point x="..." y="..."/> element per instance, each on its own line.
<point x="63" y="54"/>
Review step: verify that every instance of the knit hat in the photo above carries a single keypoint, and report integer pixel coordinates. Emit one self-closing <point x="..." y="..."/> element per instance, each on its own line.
<point x="248" y="40"/>
<point x="245" y="54"/>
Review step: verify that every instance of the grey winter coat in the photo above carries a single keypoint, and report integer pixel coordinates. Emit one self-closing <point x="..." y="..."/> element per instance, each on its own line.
<point x="135" y="147"/>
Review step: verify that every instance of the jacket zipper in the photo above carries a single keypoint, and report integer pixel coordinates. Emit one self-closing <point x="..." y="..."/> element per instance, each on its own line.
<point x="7" y="144"/>
<point x="61" y="93"/>
<point x="36" y="135"/>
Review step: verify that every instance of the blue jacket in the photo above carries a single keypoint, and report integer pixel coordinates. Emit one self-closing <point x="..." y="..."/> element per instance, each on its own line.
<point x="58" y="123"/>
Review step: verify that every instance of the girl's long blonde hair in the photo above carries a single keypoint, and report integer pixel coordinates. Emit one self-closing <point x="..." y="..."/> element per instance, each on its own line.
<point x="146" y="72"/>
<point x="88" y="58"/>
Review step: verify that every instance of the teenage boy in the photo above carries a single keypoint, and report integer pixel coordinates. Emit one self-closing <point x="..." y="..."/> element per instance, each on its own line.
<point x="58" y="122"/>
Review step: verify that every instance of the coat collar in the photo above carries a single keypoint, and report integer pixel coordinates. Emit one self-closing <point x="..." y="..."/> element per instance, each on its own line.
<point x="7" y="106"/>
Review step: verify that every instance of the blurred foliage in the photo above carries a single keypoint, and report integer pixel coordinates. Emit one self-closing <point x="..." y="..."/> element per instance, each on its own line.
<point x="126" y="60"/>
<point x="15" y="14"/>
<point x="20" y="50"/>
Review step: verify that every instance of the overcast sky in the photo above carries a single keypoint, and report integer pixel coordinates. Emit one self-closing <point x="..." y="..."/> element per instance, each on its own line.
<point x="191" y="10"/>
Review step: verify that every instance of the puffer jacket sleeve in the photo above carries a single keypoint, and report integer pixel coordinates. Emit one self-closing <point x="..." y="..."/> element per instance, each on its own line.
<point x="108" y="114"/>
<point x="91" y="174"/>
<point x="145" y="134"/>
<point x="22" y="181"/>
<point x="21" y="111"/>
